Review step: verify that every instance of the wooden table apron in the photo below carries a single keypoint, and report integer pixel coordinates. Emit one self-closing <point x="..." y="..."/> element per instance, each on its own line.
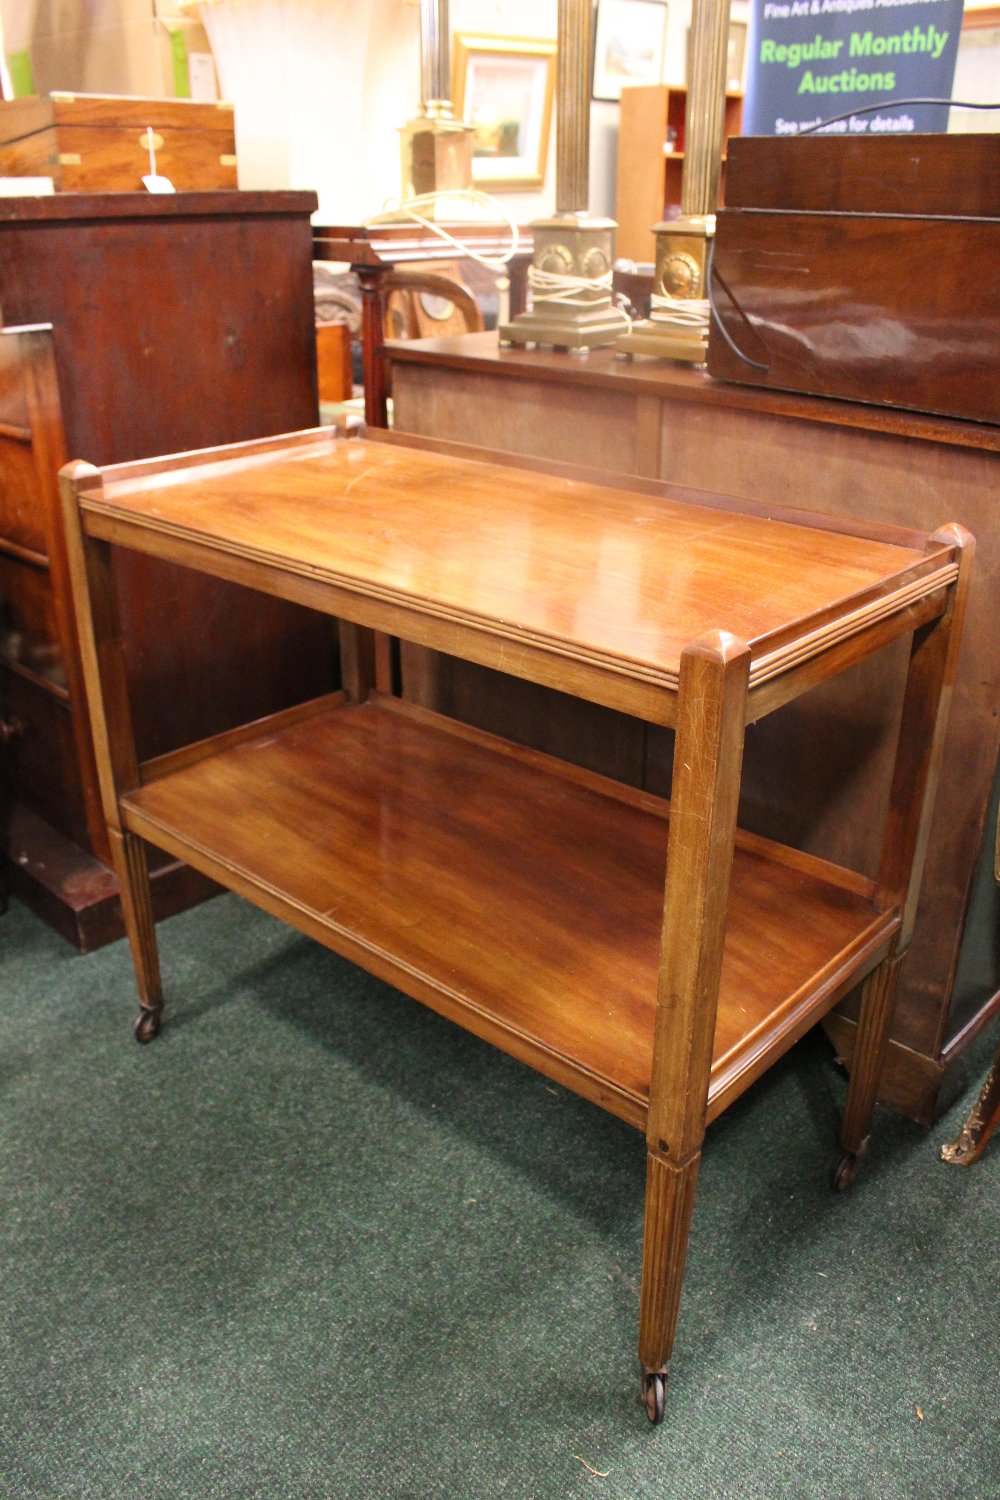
<point x="520" y="896"/>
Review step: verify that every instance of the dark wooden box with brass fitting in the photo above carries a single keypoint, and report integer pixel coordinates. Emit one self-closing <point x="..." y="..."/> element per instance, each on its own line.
<point x="100" y="143"/>
<point x="863" y="268"/>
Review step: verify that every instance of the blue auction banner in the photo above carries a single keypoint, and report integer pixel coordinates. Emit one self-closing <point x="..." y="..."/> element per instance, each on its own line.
<point x="811" y="60"/>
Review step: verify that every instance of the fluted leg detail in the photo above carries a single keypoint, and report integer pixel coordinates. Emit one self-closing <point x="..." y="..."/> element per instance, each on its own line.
<point x="670" y="1195"/>
<point x="129" y="855"/>
<point x="878" y="998"/>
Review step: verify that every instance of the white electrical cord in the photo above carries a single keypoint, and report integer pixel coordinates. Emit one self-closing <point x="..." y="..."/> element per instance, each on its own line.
<point x="548" y="285"/>
<point x="555" y="286"/>
<point x="680" y="312"/>
<point x="412" y="209"/>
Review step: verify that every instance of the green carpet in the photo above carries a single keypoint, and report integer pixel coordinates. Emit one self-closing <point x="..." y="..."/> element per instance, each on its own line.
<point x="317" y="1242"/>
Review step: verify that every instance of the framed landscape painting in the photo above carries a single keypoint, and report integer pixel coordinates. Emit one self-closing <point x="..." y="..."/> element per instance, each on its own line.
<point x="629" y="38"/>
<point x="503" y="87"/>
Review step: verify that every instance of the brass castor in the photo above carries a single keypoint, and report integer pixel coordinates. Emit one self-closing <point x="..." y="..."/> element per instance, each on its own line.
<point x="653" y="1394"/>
<point x="845" y="1171"/>
<point x="146" y="1025"/>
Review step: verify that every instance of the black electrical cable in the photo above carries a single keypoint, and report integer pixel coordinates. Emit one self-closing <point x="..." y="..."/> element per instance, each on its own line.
<point x="710" y="276"/>
<point x="870" y="109"/>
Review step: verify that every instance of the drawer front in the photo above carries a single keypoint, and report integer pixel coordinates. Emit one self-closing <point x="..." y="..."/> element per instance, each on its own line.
<point x="42" y="758"/>
<point x="22" y="512"/>
<point x="29" y="634"/>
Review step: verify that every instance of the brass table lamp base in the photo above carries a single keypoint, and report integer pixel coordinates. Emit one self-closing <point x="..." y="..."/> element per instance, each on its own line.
<point x="436" y="152"/>
<point x="663" y="342"/>
<point x="679" y="277"/>
<point x="568" y="248"/>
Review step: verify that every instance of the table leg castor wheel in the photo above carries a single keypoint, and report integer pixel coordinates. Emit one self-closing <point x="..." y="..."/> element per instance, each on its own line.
<point x="845" y="1171"/>
<point x="653" y="1394"/>
<point x="146" y="1025"/>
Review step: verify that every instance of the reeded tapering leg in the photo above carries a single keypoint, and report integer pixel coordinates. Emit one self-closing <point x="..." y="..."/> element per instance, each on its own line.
<point x="878" y="998"/>
<point x="983" y="1119"/>
<point x="670" y="1195"/>
<point x="705" y="793"/>
<point x="129" y="855"/>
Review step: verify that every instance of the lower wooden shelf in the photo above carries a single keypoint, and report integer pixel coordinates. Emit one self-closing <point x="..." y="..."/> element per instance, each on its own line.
<point x="512" y="892"/>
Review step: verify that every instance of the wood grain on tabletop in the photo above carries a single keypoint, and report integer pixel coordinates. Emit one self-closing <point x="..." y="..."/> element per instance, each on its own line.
<point x="534" y="890"/>
<point x="624" y="573"/>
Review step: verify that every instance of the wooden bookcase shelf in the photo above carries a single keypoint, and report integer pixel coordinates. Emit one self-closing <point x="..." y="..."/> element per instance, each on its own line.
<point x="648" y="182"/>
<point x="649" y="956"/>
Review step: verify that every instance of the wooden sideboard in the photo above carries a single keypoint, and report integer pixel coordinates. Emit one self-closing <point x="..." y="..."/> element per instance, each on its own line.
<point x="169" y="322"/>
<point x="654" y="959"/>
<point x="813" y="773"/>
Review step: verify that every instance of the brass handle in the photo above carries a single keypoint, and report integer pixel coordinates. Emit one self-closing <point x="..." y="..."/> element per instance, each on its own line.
<point x="10" y="729"/>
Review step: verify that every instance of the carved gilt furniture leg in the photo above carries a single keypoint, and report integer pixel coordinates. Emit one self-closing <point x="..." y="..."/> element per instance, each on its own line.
<point x="707" y="762"/>
<point x="983" y="1119"/>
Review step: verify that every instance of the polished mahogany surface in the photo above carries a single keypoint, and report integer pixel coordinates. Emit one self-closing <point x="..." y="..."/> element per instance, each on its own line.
<point x="953" y="175"/>
<point x="407" y="241"/>
<point x="599" y="573"/>
<point x="864" y="269"/>
<point x="891" y="309"/>
<point x="163" y="341"/>
<point x="74" y="208"/>
<point x="655" y="965"/>
<point x="567" y="383"/>
<point x="91" y="143"/>
<point x="836" y="458"/>
<point x="507" y="881"/>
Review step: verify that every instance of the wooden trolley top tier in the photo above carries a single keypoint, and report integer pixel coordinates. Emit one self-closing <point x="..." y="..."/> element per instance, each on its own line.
<point x="512" y="566"/>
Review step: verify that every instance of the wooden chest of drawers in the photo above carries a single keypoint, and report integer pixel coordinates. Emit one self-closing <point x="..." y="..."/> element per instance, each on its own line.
<point x="89" y="143"/>
<point x="126" y="334"/>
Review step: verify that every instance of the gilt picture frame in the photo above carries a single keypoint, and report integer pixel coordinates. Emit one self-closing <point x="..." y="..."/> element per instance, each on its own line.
<point x="629" y="41"/>
<point x="503" y="87"/>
